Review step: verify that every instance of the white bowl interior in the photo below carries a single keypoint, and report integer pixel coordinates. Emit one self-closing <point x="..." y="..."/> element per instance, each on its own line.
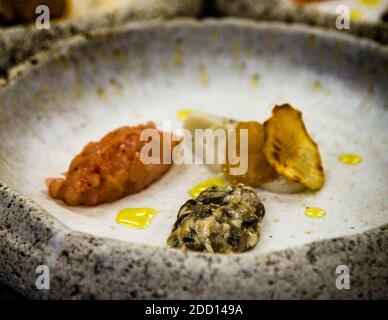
<point x="48" y="115"/>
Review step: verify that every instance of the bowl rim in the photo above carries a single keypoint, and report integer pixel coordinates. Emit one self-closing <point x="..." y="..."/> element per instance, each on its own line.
<point x="284" y="10"/>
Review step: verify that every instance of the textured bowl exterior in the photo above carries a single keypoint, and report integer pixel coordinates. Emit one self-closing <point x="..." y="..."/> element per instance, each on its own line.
<point x="96" y="268"/>
<point x="282" y="10"/>
<point x="19" y="43"/>
<point x="87" y="267"/>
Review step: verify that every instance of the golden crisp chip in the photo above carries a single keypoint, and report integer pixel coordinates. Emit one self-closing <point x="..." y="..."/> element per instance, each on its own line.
<point x="290" y="150"/>
<point x="259" y="170"/>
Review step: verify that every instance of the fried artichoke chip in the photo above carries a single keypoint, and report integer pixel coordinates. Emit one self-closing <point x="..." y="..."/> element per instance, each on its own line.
<point x="259" y="170"/>
<point x="290" y="150"/>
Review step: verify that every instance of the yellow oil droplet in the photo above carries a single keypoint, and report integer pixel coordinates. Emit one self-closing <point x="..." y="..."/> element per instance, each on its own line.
<point x="144" y="66"/>
<point x="78" y="91"/>
<point x="116" y="85"/>
<point x="182" y="114"/>
<point x="371" y="89"/>
<point x="102" y="94"/>
<point x="215" y="36"/>
<point x="138" y="218"/>
<point x="178" y="55"/>
<point x="250" y="51"/>
<point x="315" y="213"/>
<point x="371" y="3"/>
<point x="316" y="85"/>
<point x="204" y="75"/>
<point x="235" y="49"/>
<point x="195" y="191"/>
<point x="350" y="158"/>
<point x="101" y="91"/>
<point x="312" y="42"/>
<point x="255" y="79"/>
<point x="355" y="14"/>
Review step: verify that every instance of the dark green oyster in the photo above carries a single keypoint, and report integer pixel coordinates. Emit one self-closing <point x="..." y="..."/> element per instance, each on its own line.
<point x="222" y="220"/>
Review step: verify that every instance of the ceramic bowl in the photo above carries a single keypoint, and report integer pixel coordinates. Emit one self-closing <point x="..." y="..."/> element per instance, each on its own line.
<point x="51" y="106"/>
<point x="286" y="10"/>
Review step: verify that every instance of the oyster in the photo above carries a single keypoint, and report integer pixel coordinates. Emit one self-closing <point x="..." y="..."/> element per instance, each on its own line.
<point x="220" y="220"/>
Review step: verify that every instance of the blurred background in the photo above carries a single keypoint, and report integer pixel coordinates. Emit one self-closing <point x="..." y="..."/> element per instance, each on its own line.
<point x="20" y="38"/>
<point x="18" y="11"/>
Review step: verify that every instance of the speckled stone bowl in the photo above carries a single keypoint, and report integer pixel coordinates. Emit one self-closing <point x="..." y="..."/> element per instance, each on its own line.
<point x="284" y="10"/>
<point x="55" y="103"/>
<point x="20" y="42"/>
